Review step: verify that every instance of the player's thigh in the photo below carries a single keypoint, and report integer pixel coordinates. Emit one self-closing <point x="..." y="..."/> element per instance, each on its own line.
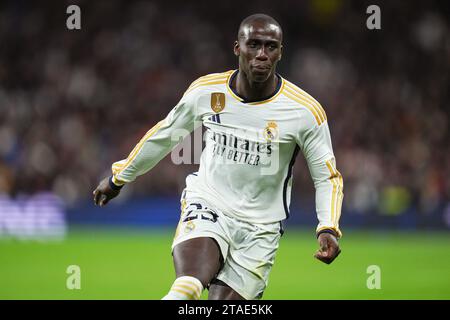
<point x="219" y="290"/>
<point x="197" y="257"/>
<point x="249" y="263"/>
<point x="200" y="243"/>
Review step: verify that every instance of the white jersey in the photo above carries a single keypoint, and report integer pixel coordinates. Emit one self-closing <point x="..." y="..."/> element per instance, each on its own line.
<point x="246" y="165"/>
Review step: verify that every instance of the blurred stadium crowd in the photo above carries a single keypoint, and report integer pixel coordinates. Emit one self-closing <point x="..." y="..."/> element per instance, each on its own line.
<point x="72" y="102"/>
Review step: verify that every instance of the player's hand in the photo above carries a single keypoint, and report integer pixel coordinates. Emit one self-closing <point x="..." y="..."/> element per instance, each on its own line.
<point x="329" y="248"/>
<point x="103" y="193"/>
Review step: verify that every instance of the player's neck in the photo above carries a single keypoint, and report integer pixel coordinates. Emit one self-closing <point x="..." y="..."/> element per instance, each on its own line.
<point x="255" y="91"/>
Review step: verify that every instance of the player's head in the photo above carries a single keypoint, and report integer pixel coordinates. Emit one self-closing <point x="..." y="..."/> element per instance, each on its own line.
<point x="259" y="46"/>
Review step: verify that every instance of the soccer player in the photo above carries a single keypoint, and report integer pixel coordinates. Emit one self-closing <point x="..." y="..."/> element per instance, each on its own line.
<point x="231" y="209"/>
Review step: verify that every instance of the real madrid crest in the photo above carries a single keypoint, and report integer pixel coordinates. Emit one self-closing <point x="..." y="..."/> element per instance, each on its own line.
<point x="271" y="131"/>
<point x="189" y="227"/>
<point x="217" y="101"/>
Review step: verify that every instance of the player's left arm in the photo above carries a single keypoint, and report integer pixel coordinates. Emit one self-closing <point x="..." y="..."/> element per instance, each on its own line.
<point x="315" y="142"/>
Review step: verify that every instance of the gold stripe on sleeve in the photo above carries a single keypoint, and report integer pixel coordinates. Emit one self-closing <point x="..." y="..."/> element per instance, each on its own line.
<point x="138" y="147"/>
<point x="336" y="179"/>
<point x="211" y="77"/>
<point x="308" y="97"/>
<point x="306" y="101"/>
<point x="206" y="83"/>
<point x="311" y="109"/>
<point x="208" y="78"/>
<point x="333" y="197"/>
<point x="340" y="182"/>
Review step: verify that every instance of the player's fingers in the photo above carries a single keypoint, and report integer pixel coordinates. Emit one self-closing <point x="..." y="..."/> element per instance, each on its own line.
<point x="332" y="251"/>
<point x="319" y="256"/>
<point x="332" y="257"/>
<point x="323" y="244"/>
<point x="103" y="200"/>
<point x="96" y="196"/>
<point x="324" y="247"/>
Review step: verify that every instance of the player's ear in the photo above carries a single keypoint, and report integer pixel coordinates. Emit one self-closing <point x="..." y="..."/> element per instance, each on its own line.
<point x="237" y="49"/>
<point x="281" y="52"/>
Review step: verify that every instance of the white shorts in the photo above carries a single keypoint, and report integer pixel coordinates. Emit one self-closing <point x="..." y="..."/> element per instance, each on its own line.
<point x="248" y="249"/>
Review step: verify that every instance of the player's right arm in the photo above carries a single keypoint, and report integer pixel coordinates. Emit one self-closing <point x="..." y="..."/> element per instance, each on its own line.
<point x="153" y="147"/>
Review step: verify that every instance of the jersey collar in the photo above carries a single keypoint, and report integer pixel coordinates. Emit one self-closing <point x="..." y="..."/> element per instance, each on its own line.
<point x="278" y="90"/>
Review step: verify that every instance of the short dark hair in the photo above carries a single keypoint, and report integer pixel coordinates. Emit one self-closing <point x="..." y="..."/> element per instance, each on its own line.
<point x="259" y="17"/>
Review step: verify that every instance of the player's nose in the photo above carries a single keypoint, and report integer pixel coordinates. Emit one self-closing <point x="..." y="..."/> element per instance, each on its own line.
<point x="262" y="54"/>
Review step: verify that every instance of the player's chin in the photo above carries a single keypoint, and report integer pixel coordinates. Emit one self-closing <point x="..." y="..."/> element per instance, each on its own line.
<point x="260" y="75"/>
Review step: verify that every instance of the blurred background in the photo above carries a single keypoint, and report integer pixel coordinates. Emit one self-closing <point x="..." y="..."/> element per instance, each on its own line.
<point x="74" y="101"/>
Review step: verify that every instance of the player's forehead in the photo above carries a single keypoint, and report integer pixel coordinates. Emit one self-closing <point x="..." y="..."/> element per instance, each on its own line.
<point x="261" y="31"/>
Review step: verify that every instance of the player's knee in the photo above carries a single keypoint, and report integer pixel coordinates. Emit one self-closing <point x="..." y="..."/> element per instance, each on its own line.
<point x="204" y="277"/>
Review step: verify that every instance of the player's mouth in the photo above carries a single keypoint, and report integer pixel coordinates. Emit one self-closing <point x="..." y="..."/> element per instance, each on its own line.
<point x="261" y="68"/>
